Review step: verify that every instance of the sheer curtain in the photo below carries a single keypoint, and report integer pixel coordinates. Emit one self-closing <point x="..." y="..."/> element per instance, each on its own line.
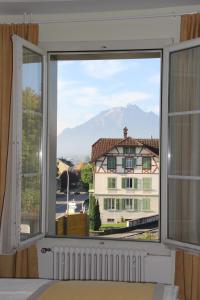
<point x="11" y="263"/>
<point x="187" y="269"/>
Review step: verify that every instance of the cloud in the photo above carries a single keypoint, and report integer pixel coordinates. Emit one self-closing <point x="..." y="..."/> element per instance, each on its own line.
<point x="103" y="69"/>
<point x="92" y="97"/>
<point x="155" y="79"/>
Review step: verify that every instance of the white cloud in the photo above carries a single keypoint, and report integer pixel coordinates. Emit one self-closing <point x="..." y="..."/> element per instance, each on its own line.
<point x="91" y="97"/>
<point x="155" y="79"/>
<point x="103" y="68"/>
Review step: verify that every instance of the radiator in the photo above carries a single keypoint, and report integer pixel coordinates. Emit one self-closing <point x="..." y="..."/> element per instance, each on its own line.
<point x="98" y="264"/>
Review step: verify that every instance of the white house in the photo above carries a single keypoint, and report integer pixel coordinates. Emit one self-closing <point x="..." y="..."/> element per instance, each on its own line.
<point x="126" y="178"/>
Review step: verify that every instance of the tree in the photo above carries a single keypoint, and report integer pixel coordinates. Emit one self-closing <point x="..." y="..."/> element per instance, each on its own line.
<point x="94" y="213"/>
<point x="87" y="174"/>
<point x="73" y="180"/>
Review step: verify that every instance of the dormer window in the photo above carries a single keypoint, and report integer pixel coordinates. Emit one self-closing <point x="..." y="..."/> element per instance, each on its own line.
<point x="129" y="150"/>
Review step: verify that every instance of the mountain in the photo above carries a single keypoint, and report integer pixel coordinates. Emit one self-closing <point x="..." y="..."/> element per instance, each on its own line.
<point x="77" y="141"/>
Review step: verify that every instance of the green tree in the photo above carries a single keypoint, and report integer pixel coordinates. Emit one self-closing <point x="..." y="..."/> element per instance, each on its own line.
<point x="87" y="174"/>
<point x="94" y="213"/>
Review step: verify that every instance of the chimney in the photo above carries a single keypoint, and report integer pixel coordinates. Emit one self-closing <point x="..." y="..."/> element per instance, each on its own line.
<point x="125" y="132"/>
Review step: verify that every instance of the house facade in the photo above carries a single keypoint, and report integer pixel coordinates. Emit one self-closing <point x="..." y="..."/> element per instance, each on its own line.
<point x="126" y="178"/>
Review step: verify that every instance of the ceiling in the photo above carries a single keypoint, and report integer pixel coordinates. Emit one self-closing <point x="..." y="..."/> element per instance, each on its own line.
<point x="9" y="7"/>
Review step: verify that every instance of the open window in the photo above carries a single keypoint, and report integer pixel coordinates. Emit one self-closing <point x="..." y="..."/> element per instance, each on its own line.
<point x="181" y="152"/>
<point x="29" y="142"/>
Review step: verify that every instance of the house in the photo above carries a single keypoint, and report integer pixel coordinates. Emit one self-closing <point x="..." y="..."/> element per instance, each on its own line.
<point x="100" y="26"/>
<point x="126" y="178"/>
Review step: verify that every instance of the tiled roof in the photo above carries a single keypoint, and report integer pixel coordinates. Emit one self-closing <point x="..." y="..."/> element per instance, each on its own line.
<point x="104" y="145"/>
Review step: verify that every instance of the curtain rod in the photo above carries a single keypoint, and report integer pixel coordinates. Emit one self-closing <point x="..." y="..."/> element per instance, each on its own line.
<point x="29" y="18"/>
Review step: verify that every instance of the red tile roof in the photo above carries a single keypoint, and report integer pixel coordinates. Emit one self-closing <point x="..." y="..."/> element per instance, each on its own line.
<point x="104" y="145"/>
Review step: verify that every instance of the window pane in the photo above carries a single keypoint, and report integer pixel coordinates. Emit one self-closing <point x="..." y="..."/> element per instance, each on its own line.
<point x="184" y="89"/>
<point x="32" y="123"/>
<point x="184" y="210"/>
<point x="184" y="145"/>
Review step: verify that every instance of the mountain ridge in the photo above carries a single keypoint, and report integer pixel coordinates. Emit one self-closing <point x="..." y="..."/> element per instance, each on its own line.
<point x="107" y="124"/>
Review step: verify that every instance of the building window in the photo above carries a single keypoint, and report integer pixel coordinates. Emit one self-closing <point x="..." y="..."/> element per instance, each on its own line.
<point x="146" y="163"/>
<point x="127" y="183"/>
<point x="111" y="183"/>
<point x="147" y="184"/>
<point x="110" y="220"/>
<point x="111" y="162"/>
<point x="129" y="163"/>
<point x="129" y="150"/>
<point x="109" y="203"/>
<point x="128" y="204"/>
<point x="146" y="204"/>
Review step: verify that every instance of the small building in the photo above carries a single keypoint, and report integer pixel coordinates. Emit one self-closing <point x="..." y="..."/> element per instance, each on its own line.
<point x="126" y="177"/>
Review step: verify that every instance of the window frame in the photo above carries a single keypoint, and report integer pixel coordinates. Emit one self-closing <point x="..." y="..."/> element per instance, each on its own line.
<point x="165" y="146"/>
<point x="71" y="48"/>
<point x="18" y="45"/>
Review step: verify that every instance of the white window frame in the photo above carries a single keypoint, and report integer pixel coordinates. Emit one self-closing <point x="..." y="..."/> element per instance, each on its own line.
<point x="165" y="146"/>
<point x="152" y="44"/>
<point x="18" y="44"/>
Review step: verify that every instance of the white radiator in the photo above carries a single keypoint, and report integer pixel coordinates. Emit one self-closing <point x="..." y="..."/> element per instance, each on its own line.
<point x="98" y="264"/>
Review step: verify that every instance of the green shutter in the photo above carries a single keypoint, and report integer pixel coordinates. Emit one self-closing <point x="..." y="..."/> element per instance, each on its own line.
<point x="134" y="162"/>
<point x="111" y="162"/>
<point x="147" y="184"/>
<point x="105" y="203"/>
<point x="146" y="204"/>
<point x="146" y="163"/>
<point x="135" y="183"/>
<point x="123" y="163"/>
<point x="123" y="203"/>
<point x="117" y="204"/>
<point x="123" y="183"/>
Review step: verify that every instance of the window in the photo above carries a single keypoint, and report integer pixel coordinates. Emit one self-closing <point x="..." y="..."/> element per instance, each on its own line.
<point x="127" y="183"/>
<point x="128" y="204"/>
<point x="111" y="162"/>
<point x="91" y="128"/>
<point x="183" y="155"/>
<point x="111" y="183"/>
<point x="146" y="163"/>
<point x="147" y="184"/>
<point x="109" y="203"/>
<point x="29" y="133"/>
<point x="129" y="163"/>
<point x="146" y="204"/>
<point x="129" y="150"/>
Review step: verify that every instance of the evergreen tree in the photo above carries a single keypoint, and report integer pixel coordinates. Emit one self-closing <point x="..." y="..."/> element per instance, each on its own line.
<point x="94" y="213"/>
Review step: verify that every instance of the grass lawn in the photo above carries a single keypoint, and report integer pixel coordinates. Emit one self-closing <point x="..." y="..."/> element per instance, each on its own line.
<point x="117" y="225"/>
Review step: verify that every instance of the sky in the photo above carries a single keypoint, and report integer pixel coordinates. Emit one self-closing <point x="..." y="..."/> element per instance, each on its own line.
<point x="85" y="88"/>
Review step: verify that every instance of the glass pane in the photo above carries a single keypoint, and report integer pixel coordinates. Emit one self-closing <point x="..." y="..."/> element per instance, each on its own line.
<point x="184" y="145"/>
<point x="184" y="210"/>
<point x="32" y="122"/>
<point x="184" y="87"/>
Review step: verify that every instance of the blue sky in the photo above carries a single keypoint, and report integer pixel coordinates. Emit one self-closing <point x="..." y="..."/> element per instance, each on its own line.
<point x="85" y="88"/>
